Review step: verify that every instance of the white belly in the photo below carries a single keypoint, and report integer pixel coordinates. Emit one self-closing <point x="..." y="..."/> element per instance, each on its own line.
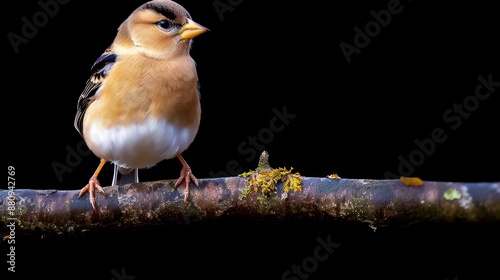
<point x="138" y="146"/>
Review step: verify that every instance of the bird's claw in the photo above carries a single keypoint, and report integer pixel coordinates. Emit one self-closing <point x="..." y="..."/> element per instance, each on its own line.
<point x="186" y="176"/>
<point x="91" y="187"/>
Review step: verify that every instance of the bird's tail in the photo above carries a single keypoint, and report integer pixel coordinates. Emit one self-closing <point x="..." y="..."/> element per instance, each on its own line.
<point x="123" y="176"/>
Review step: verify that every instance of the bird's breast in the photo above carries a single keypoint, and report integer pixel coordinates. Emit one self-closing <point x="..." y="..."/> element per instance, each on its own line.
<point x="138" y="145"/>
<point x="145" y="111"/>
<point x="139" y="87"/>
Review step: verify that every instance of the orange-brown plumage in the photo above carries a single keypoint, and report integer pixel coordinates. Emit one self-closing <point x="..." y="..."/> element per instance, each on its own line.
<point x="141" y="104"/>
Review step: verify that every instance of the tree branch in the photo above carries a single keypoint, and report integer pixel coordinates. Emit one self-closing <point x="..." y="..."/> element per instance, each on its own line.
<point x="380" y="203"/>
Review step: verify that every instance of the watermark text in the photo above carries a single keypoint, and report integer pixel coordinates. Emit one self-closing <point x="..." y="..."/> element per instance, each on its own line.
<point x="11" y="225"/>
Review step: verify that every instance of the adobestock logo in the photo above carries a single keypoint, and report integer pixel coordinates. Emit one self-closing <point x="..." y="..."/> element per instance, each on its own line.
<point x="74" y="157"/>
<point x="223" y="6"/>
<point x="31" y="26"/>
<point x="363" y="37"/>
<point x="122" y="275"/>
<point x="454" y="117"/>
<point x="311" y="263"/>
<point x="255" y="144"/>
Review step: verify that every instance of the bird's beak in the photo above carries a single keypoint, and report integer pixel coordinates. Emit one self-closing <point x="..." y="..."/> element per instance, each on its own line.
<point x="191" y="29"/>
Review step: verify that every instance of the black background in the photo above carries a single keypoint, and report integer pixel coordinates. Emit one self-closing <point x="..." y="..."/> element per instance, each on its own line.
<point x="356" y="119"/>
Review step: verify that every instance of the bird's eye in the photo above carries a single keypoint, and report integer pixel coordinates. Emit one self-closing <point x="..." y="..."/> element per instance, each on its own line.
<point x="164" y="24"/>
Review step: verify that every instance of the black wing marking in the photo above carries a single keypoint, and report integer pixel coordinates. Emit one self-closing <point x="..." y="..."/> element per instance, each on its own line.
<point x="98" y="72"/>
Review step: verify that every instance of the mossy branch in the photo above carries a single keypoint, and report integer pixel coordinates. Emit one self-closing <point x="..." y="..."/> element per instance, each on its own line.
<point x="377" y="202"/>
<point x="264" y="194"/>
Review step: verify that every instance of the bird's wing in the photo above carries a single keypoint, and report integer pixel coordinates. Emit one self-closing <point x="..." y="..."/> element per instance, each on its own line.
<point x="98" y="73"/>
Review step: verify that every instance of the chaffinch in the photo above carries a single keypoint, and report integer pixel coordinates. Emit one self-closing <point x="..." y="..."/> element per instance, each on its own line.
<point x="141" y="104"/>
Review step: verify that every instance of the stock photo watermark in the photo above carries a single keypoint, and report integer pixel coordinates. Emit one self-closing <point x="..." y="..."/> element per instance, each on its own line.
<point x="11" y="219"/>
<point x="255" y="144"/>
<point x="223" y="6"/>
<point x="453" y="117"/>
<point x="122" y="275"/>
<point x="252" y="146"/>
<point x="74" y="157"/>
<point x="372" y="28"/>
<point x="32" y="25"/>
<point x="310" y="264"/>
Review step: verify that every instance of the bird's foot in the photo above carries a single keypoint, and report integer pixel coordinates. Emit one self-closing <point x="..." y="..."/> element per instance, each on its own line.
<point x="186" y="176"/>
<point x="91" y="187"/>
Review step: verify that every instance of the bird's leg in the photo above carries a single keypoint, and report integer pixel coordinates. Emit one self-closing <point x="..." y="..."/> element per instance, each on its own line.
<point x="187" y="176"/>
<point x="94" y="184"/>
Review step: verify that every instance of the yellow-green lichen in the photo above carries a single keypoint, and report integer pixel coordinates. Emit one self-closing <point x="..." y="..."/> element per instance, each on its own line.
<point x="452" y="194"/>
<point x="264" y="178"/>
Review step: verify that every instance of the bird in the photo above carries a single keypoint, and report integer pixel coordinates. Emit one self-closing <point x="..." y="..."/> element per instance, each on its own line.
<point x="141" y="102"/>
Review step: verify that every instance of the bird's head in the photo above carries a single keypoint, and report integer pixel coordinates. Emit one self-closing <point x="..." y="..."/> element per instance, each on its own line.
<point x="159" y="29"/>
